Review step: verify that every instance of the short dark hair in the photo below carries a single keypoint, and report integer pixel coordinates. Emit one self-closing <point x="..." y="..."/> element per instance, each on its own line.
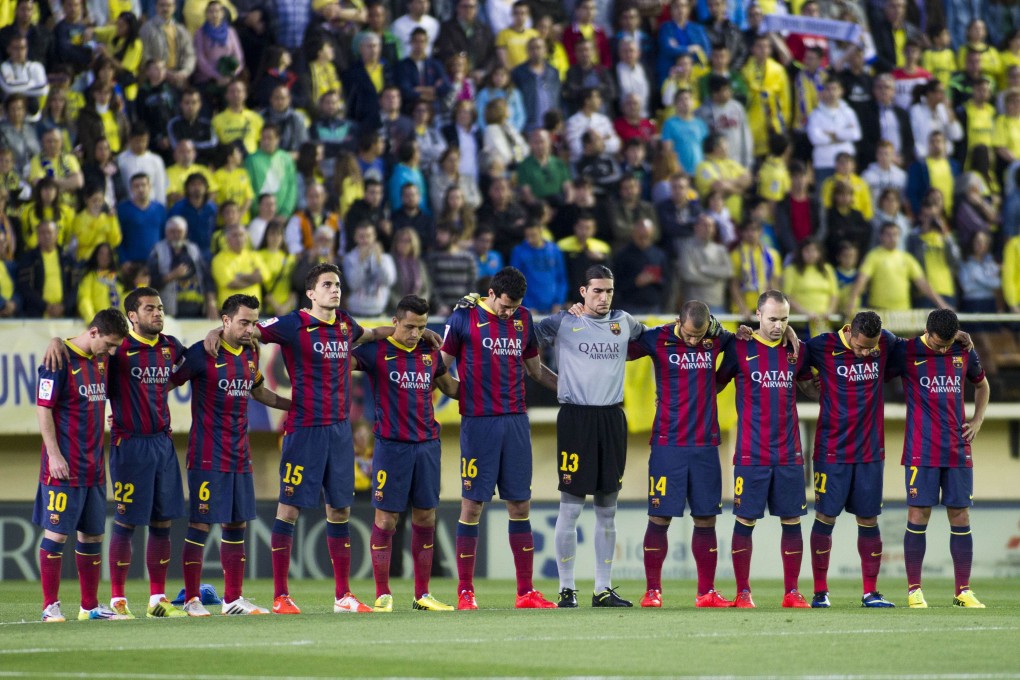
<point x="711" y="142"/>
<point x="196" y="177"/>
<point x="868" y="324"/>
<point x="235" y="302"/>
<point x="405" y="151"/>
<point x="134" y="298"/>
<point x="597" y="271"/>
<point x="110" y="321"/>
<point x="138" y="175"/>
<point x="418" y="31"/>
<point x="696" y="312"/>
<point x="774" y="295"/>
<point x="943" y="323"/>
<point x="413" y="304"/>
<point x="717" y="83"/>
<point x="139" y="130"/>
<point x="318" y="270"/>
<point x="509" y="281"/>
<point x="778" y="144"/>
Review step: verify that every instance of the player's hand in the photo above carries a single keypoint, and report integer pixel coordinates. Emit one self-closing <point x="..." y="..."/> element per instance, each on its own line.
<point x="469" y="301"/>
<point x="964" y="340"/>
<point x="971" y="429"/>
<point x="212" y="342"/>
<point x="56" y="355"/>
<point x="744" y="333"/>
<point x="714" y="327"/>
<point x="434" y="339"/>
<point x="58" y="466"/>
<point x="791" y="340"/>
<point x="576" y="309"/>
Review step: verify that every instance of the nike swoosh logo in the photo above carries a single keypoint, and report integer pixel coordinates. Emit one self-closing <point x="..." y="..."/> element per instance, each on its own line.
<point x="279" y="549"/>
<point x="652" y="549"/>
<point x="671" y="344"/>
<point x="96" y="563"/>
<point x="754" y="357"/>
<point x="791" y="552"/>
<point x="75" y="371"/>
<point x="188" y="564"/>
<point x="391" y="358"/>
<point x="54" y="557"/>
<point x="464" y="557"/>
<point x="378" y="547"/>
<point x="577" y="329"/>
<point x="427" y="547"/>
<point x="739" y="551"/>
<point x="137" y="351"/>
<point x="482" y="325"/>
<point x="312" y="329"/>
<point x="713" y="550"/>
<point x="164" y="561"/>
<point x="607" y="561"/>
<point x="527" y="549"/>
<point x="347" y="545"/>
<point x="876" y="554"/>
<point x="126" y="564"/>
<point x="918" y="363"/>
<point x="821" y="552"/>
<point x="804" y="507"/>
<point x="244" y="559"/>
<point x="220" y="365"/>
<point x="836" y="354"/>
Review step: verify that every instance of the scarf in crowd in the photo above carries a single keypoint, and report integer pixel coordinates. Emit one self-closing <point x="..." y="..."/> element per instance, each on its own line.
<point x="217" y="34"/>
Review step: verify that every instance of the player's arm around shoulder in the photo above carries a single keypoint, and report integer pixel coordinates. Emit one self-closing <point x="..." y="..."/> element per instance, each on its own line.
<point x="548" y="328"/>
<point x="191" y="364"/>
<point x="264" y="395"/>
<point x="448" y="385"/>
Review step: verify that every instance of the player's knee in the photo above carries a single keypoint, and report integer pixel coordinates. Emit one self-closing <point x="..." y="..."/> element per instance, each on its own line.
<point x="90" y="538"/>
<point x="518" y="509"/>
<point x="235" y="525"/>
<point x="54" y="536"/>
<point x="700" y="522"/>
<point x="288" y="513"/>
<point x="423" y="517"/>
<point x="867" y="521"/>
<point x="958" y="516"/>
<point x="918" y="515"/>
<point x="131" y="526"/>
<point x="387" y="521"/>
<point x="338" y="514"/>
<point x="159" y="524"/>
<point x="470" y="511"/>
<point x="828" y="519"/>
<point x="199" y="526"/>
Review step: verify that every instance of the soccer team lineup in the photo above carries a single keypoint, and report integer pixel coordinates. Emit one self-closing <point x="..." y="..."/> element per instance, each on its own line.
<point x="491" y="343"/>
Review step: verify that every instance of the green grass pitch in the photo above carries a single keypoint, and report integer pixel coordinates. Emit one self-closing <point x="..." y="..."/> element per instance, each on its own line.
<point x="843" y="643"/>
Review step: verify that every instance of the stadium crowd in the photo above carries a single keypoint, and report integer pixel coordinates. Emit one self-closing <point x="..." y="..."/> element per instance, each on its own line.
<point x="844" y="152"/>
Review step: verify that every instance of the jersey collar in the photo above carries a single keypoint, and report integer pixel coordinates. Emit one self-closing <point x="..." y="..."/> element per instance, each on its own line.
<point x="767" y="343"/>
<point x="74" y="348"/>
<point x="486" y="307"/>
<point x="150" y="343"/>
<point x="317" y="320"/>
<point x="842" y="333"/>
<point x="236" y="351"/>
<point x="399" y="345"/>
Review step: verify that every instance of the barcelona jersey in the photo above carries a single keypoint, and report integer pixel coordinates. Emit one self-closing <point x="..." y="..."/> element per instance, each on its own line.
<point x="140" y="383"/>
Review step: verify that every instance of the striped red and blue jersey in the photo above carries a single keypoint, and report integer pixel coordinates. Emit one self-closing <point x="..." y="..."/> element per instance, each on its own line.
<point x="490" y="354"/>
<point x="140" y="384"/>
<point x="851" y="426"/>
<point x="220" y="388"/>
<point x="76" y="394"/>
<point x="933" y="383"/>
<point x="686" y="413"/>
<point x="402" y="379"/>
<point x="766" y="376"/>
<point x="317" y="356"/>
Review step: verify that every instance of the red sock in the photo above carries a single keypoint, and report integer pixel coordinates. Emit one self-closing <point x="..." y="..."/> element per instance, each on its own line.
<point x="382" y="552"/>
<point x="705" y="548"/>
<point x="282" y="541"/>
<point x="89" y="558"/>
<point x="741" y="548"/>
<point x="192" y="556"/>
<point x="656" y="546"/>
<point x="338" y="541"/>
<point x="522" y="545"/>
<point x="157" y="559"/>
<point x="869" y="547"/>
<point x="467" y="547"/>
<point x="232" y="560"/>
<point x="120" y="558"/>
<point x="792" y="546"/>
<point x="51" y="559"/>
<point x="422" y="541"/>
<point x="821" y="553"/>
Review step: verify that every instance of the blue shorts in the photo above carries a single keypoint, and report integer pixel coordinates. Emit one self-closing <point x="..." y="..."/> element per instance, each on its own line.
<point x="317" y="461"/>
<point x="221" y="497"/>
<point x="780" y="487"/>
<point x="146" y="480"/>
<point x="679" y="475"/>
<point x="495" y="451"/>
<point x="857" y="487"/>
<point x="405" y="472"/>
<point x="67" y="509"/>
<point x="924" y="485"/>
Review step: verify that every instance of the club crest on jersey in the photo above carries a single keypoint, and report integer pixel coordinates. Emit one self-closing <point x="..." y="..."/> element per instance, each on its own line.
<point x="378" y="496"/>
<point x="426" y="359"/>
<point x="343" y="328"/>
<point x="467" y="484"/>
<point x="614" y="326"/>
<point x="121" y="509"/>
<point x="708" y="343"/>
<point x="288" y="490"/>
<point x="518" y="325"/>
<point x="203" y="508"/>
<point x="101" y="367"/>
<point x="957" y="362"/>
<point x="567" y="479"/>
<point x="655" y="502"/>
<point x="166" y="353"/>
<point x="790" y="359"/>
<point x="251" y="366"/>
<point x="54" y="518"/>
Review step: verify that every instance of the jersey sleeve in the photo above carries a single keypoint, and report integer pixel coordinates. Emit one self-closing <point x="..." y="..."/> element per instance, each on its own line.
<point x="636" y="327"/>
<point x="547" y="329"/>
<point x="277" y="329"/>
<point x="643" y="345"/>
<point x="897" y="359"/>
<point x="531" y="346"/>
<point x="728" y="366"/>
<point x="812" y="350"/>
<point x="975" y="372"/>
<point x="50" y="385"/>
<point x="356" y="328"/>
<point x="452" y="335"/>
<point x="803" y="367"/>
<point x="192" y="365"/>
<point x="440" y="365"/>
<point x="362" y="357"/>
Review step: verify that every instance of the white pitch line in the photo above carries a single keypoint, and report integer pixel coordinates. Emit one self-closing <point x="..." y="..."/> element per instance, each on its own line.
<point x="193" y="676"/>
<point x="211" y="645"/>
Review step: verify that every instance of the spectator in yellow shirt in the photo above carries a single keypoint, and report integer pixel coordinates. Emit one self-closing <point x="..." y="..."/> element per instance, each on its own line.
<point x="99" y="288"/>
<point x="232" y="181"/>
<point x="1011" y="274"/>
<point x="512" y="42"/>
<point x="277" y="295"/>
<point x="810" y="283"/>
<point x="94" y="226"/>
<point x="237" y="269"/>
<point x="237" y="122"/>
<point x="768" y="98"/>
<point x="890" y="271"/>
<point x="756" y="268"/>
<point x="1007" y="129"/>
<point x="718" y="172"/>
<point x="977" y="34"/>
<point x="184" y="166"/>
<point x="939" y="60"/>
<point x="846" y="173"/>
<point x="774" y="174"/>
<point x="45" y="206"/>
